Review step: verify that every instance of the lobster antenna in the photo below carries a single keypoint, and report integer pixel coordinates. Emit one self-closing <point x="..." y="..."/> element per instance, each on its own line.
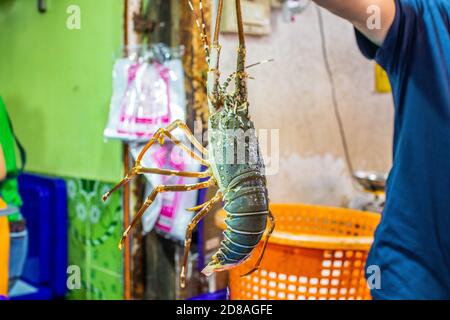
<point x="202" y="14"/>
<point x="201" y="27"/>
<point x="241" y="85"/>
<point x="233" y="75"/>
<point x="258" y="63"/>
<point x="240" y="24"/>
<point x="218" y="20"/>
<point x="213" y="79"/>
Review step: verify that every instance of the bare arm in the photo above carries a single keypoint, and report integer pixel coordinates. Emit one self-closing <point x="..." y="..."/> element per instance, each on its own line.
<point x="2" y="165"/>
<point x="359" y="12"/>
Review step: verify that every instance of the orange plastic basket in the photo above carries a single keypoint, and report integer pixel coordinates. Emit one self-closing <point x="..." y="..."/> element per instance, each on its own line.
<point x="315" y="253"/>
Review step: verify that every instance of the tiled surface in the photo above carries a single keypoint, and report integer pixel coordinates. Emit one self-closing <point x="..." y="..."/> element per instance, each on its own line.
<point x="94" y="230"/>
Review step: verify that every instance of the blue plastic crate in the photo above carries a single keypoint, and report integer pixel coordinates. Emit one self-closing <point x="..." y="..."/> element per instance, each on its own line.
<point x="58" y="228"/>
<point x="25" y="291"/>
<point x="218" y="295"/>
<point x="36" y="210"/>
<point x="45" y="209"/>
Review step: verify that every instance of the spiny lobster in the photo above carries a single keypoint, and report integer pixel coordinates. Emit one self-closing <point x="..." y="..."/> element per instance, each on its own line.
<point x="241" y="180"/>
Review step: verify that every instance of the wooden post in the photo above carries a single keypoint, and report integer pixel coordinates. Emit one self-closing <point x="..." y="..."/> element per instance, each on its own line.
<point x="126" y="223"/>
<point x="129" y="39"/>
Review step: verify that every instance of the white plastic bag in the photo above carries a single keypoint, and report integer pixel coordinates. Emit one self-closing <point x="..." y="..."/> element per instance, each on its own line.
<point x="122" y="79"/>
<point x="146" y="97"/>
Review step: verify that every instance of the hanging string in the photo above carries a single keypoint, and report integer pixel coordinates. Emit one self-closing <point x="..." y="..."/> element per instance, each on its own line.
<point x="333" y="93"/>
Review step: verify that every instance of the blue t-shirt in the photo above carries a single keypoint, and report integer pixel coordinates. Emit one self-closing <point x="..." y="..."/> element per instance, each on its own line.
<point x="412" y="242"/>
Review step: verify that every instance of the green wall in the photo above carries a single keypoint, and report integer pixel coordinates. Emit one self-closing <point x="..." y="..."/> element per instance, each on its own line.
<point x="56" y="84"/>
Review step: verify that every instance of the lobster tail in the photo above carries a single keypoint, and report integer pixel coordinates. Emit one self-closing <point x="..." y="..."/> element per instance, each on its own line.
<point x="247" y="211"/>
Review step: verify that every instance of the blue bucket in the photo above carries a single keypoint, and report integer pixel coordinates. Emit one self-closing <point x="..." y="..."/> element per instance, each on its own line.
<point x="18" y="254"/>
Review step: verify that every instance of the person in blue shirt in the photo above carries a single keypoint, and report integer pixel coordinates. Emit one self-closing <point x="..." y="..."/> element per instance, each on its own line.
<point x="412" y="43"/>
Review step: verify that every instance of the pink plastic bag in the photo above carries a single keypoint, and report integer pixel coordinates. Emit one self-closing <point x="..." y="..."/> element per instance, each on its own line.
<point x="146" y="104"/>
<point x="146" y="96"/>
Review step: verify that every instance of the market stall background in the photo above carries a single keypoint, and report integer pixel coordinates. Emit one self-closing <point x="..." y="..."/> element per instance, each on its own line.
<point x="57" y="85"/>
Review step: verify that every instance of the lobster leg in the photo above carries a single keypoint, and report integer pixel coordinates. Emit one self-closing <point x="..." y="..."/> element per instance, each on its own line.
<point x="128" y="177"/>
<point x="159" y="137"/>
<point x="140" y="170"/>
<point x="269" y="233"/>
<point x="154" y="193"/>
<point x="183" y="126"/>
<point x="187" y="242"/>
<point x="167" y="172"/>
